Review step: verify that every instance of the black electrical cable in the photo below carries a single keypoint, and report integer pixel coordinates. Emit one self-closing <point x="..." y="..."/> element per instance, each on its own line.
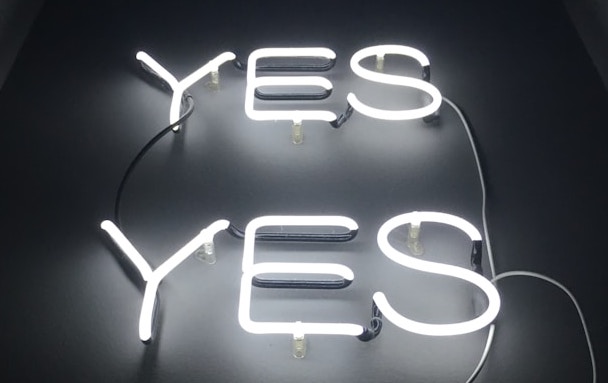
<point x="338" y="122"/>
<point x="238" y="64"/>
<point x="190" y="108"/>
<point x="476" y="257"/>
<point x="372" y="332"/>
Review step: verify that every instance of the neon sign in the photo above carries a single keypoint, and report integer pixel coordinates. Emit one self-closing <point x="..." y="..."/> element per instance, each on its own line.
<point x="253" y="272"/>
<point x="255" y="83"/>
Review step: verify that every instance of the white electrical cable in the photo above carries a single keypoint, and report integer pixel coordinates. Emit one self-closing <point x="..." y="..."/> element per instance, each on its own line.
<point x="482" y="183"/>
<point x="520" y="273"/>
<point x="495" y="277"/>
<point x="486" y="234"/>
<point x="484" y="355"/>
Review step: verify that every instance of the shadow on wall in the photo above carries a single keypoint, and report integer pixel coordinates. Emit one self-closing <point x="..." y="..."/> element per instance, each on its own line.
<point x="16" y="18"/>
<point x="590" y="17"/>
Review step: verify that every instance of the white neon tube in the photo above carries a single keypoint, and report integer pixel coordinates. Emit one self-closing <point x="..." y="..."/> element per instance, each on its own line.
<point x="297" y="327"/>
<point x="289" y="115"/>
<point x="285" y="220"/>
<point x="146" y="315"/>
<point x="253" y="82"/>
<point x="250" y="270"/>
<point x="153" y="278"/>
<point x="436" y="268"/>
<point x="384" y="78"/>
<point x="128" y="249"/>
<point x="179" y="87"/>
<point x="159" y="69"/>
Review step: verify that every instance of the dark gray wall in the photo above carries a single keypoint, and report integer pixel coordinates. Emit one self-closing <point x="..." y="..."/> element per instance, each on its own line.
<point x="589" y="16"/>
<point x="16" y="17"/>
<point x="591" y="20"/>
<point x="75" y="109"/>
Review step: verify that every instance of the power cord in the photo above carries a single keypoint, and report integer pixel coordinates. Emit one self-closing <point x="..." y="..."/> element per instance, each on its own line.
<point x="520" y="273"/>
<point x="187" y="99"/>
<point x="495" y="278"/>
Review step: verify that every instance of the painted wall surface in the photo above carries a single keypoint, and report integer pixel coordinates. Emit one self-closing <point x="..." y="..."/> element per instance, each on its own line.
<point x="76" y="109"/>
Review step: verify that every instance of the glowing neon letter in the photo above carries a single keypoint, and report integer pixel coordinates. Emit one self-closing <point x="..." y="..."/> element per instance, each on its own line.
<point x="154" y="277"/>
<point x="382" y="114"/>
<point x="250" y="270"/>
<point x="253" y="82"/>
<point x="437" y="268"/>
<point x="179" y="87"/>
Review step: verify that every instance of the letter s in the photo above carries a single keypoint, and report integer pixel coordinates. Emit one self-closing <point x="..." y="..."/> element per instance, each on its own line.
<point x="425" y="86"/>
<point x="437" y="268"/>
